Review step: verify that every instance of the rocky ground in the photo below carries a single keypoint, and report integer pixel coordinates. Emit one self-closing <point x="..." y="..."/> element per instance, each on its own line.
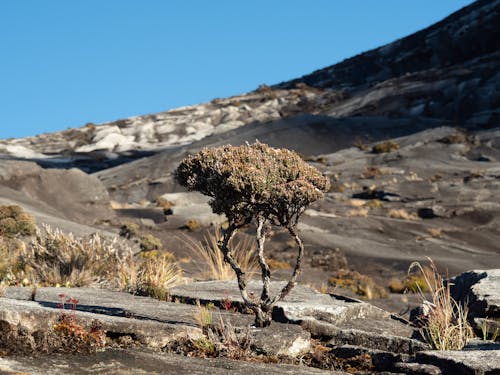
<point x="408" y="133"/>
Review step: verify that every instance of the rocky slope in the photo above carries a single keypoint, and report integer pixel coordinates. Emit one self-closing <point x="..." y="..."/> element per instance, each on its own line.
<point x="416" y="91"/>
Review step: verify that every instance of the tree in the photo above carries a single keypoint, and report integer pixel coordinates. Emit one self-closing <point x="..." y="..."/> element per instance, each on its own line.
<point x="261" y="183"/>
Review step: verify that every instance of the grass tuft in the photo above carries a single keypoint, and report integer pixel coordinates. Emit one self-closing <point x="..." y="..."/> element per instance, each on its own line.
<point x="445" y="325"/>
<point x="211" y="257"/>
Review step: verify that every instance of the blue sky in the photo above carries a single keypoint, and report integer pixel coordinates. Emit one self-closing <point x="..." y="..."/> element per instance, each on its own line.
<point x="65" y="63"/>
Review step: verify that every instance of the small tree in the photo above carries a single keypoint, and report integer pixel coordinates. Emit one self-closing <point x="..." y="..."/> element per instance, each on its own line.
<point x="255" y="182"/>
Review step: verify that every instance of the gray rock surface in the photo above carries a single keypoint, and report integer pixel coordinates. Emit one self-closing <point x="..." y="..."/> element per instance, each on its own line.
<point x="138" y="362"/>
<point x="345" y="321"/>
<point x="480" y="290"/>
<point x="463" y="362"/>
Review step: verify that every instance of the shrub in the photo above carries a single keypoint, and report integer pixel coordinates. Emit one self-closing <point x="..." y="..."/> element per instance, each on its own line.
<point x="384" y="147"/>
<point x="255" y="182"/>
<point x="14" y="221"/>
<point x="150" y="242"/>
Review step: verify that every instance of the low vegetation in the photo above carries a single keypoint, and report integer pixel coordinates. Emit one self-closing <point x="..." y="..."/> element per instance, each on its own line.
<point x="212" y="265"/>
<point x="54" y="258"/>
<point x="15" y="222"/>
<point x="444" y="320"/>
<point x="255" y="182"/>
<point x="362" y="285"/>
<point x="384" y="147"/>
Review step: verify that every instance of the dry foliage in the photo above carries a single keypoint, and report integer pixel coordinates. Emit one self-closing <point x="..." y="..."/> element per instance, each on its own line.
<point x="149" y="242"/>
<point x="56" y="258"/>
<point x="14" y="221"/>
<point x="445" y="324"/>
<point x="401" y="213"/>
<point x="213" y="266"/>
<point x="359" y="284"/>
<point x="384" y="147"/>
<point x="157" y="272"/>
<point x="261" y="183"/>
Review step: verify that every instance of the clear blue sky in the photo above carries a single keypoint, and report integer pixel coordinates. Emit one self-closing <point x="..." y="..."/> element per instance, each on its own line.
<point x="65" y="63"/>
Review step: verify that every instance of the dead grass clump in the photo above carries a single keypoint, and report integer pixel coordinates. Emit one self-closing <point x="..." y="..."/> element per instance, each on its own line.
<point x="374" y="203"/>
<point x="360" y="212"/>
<point x="157" y="272"/>
<point x="361" y="285"/>
<point x="212" y="259"/>
<point x="149" y="242"/>
<point x="164" y="203"/>
<point x="55" y="258"/>
<point x="14" y="221"/>
<point x="384" y="147"/>
<point x="414" y="282"/>
<point x="401" y="213"/>
<point x="444" y="325"/>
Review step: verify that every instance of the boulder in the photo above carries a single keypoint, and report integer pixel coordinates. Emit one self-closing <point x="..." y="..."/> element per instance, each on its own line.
<point x="480" y="290"/>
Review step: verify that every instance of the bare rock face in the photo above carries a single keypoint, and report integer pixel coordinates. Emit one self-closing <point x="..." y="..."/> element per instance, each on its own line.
<point x="480" y="291"/>
<point x="75" y="194"/>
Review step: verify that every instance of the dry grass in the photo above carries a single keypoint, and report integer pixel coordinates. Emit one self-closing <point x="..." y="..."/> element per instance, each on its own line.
<point x="157" y="272"/>
<point x="361" y="285"/>
<point x="385" y="147"/>
<point x="55" y="258"/>
<point x="401" y="213"/>
<point x="3" y="289"/>
<point x="149" y="242"/>
<point x="203" y="316"/>
<point x="213" y="265"/>
<point x="360" y="212"/>
<point x="445" y="324"/>
<point x="192" y="225"/>
<point x="278" y="265"/>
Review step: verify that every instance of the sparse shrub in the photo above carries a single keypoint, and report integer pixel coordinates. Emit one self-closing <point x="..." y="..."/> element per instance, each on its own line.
<point x="150" y="242"/>
<point x="215" y="268"/>
<point x="361" y="285"/>
<point x="14" y="221"/>
<point x="445" y="325"/>
<point x="255" y="182"/>
<point x="191" y="225"/>
<point x="129" y="230"/>
<point x="384" y="147"/>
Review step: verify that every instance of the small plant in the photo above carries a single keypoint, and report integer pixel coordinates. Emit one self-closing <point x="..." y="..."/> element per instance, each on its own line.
<point x="14" y="221"/>
<point x="490" y="329"/>
<point x="278" y="265"/>
<point x="384" y="147"/>
<point x="445" y="325"/>
<point x="215" y="268"/>
<point x="149" y="242"/>
<point x="129" y="230"/>
<point x="203" y="317"/>
<point x="74" y="337"/>
<point x="3" y="289"/>
<point x="255" y="182"/>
